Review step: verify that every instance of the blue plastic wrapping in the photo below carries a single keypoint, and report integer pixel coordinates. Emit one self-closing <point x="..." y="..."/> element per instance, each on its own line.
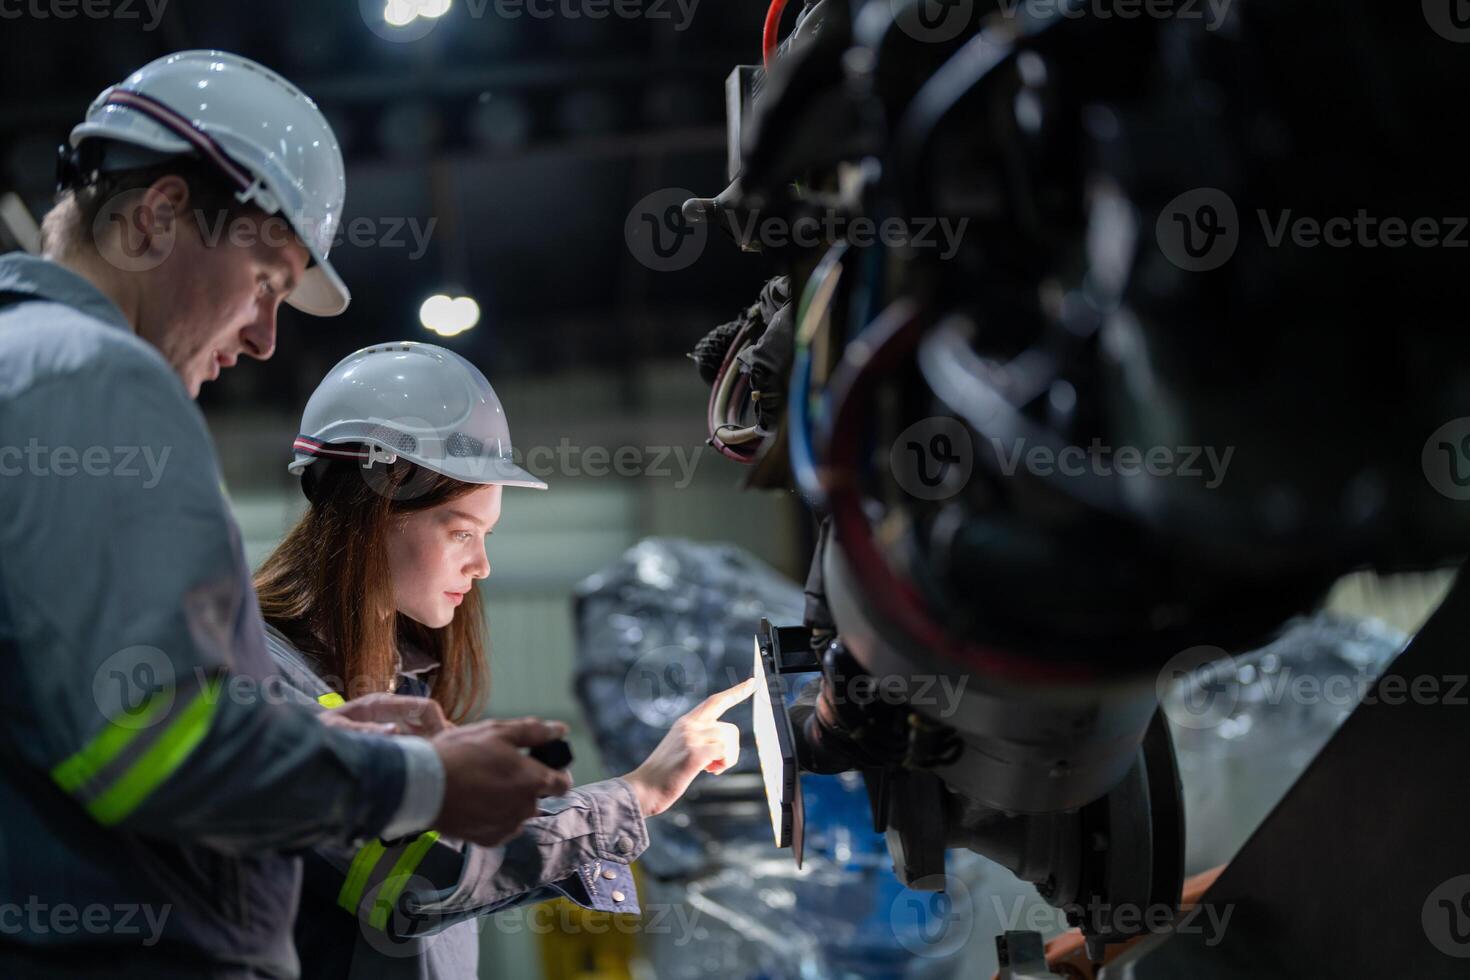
<point x="668" y="623"/>
<point x="1246" y="726"/>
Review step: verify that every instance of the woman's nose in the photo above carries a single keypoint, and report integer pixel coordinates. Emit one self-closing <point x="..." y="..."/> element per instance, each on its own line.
<point x="480" y="566"/>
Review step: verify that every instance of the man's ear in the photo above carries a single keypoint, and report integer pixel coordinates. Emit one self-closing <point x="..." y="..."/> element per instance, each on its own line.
<point x="163" y="204"/>
<point x="137" y="230"/>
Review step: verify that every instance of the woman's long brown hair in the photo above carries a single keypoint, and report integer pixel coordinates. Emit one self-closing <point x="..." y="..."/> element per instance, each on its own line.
<point x="328" y="589"/>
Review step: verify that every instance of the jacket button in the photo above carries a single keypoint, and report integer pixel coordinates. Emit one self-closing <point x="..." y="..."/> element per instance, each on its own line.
<point x="624" y="845"/>
<point x="618" y="896"/>
<point x="609" y="875"/>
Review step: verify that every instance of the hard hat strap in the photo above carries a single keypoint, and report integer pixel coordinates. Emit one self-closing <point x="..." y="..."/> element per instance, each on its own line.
<point x="182" y="127"/>
<point x="312" y="447"/>
<point x="368" y="454"/>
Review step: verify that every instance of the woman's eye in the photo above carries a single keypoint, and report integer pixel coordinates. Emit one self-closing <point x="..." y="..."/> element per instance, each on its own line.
<point x="462" y="536"/>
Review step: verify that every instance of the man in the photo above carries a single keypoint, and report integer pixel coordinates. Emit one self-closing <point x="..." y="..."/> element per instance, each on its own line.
<point x="154" y="766"/>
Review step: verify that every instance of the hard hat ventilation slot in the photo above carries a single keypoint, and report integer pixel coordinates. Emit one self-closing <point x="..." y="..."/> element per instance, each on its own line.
<point x="459" y="444"/>
<point x="401" y="441"/>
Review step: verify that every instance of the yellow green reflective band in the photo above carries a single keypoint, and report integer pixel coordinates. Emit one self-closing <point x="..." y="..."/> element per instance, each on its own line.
<point x="93" y="757"/>
<point x="161" y="760"/>
<point x="357" y="875"/>
<point x="331" y="700"/>
<point x="397" y="879"/>
<point x="109" y="804"/>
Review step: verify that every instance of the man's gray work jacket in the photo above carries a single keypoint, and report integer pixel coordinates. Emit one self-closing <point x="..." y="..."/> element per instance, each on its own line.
<point x="153" y="780"/>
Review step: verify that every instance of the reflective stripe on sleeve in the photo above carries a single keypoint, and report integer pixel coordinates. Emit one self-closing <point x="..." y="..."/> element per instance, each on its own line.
<point x="397" y="879"/>
<point x="115" y="772"/>
<point x="363" y="862"/>
<point x="367" y="877"/>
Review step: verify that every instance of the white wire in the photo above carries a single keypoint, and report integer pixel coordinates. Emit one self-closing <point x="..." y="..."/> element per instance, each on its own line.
<point x="748" y="434"/>
<point x="722" y="394"/>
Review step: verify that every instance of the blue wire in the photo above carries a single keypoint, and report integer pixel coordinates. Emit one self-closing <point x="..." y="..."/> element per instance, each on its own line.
<point x="803" y="464"/>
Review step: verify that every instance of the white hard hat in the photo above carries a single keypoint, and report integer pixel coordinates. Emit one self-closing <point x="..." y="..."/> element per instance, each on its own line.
<point x="265" y="135"/>
<point x="413" y="401"/>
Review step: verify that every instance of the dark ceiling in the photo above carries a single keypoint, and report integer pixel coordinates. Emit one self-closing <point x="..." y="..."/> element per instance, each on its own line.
<point x="528" y="138"/>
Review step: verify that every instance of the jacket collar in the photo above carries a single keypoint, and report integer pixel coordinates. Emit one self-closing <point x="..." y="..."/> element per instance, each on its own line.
<point x="29" y="275"/>
<point x="413" y="662"/>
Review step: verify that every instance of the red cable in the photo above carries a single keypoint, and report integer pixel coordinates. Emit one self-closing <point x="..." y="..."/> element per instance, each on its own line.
<point x="714" y="423"/>
<point x="770" y="37"/>
<point x="738" y="396"/>
<point x="891" y="337"/>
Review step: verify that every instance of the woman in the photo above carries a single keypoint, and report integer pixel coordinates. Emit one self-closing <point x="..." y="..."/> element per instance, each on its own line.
<point x="404" y="455"/>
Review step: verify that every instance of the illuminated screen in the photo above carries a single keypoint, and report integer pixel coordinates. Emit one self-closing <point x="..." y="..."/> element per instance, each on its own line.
<point x="768" y="746"/>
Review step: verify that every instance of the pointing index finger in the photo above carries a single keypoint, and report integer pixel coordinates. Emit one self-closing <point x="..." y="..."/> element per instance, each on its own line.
<point x="721" y="701"/>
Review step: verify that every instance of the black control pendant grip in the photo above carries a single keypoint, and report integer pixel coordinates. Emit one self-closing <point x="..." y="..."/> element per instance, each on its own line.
<point x="555" y="754"/>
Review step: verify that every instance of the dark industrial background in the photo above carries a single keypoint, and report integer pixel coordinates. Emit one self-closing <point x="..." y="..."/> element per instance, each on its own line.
<point x="529" y="139"/>
<point x="526" y="140"/>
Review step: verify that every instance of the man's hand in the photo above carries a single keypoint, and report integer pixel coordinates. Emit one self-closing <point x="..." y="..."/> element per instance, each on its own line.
<point x="490" y="786"/>
<point x="402" y="714"/>
<point x="698" y="742"/>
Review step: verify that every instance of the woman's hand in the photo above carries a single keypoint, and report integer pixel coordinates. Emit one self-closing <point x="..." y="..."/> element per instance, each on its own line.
<point x="698" y="742"/>
<point x="393" y="714"/>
